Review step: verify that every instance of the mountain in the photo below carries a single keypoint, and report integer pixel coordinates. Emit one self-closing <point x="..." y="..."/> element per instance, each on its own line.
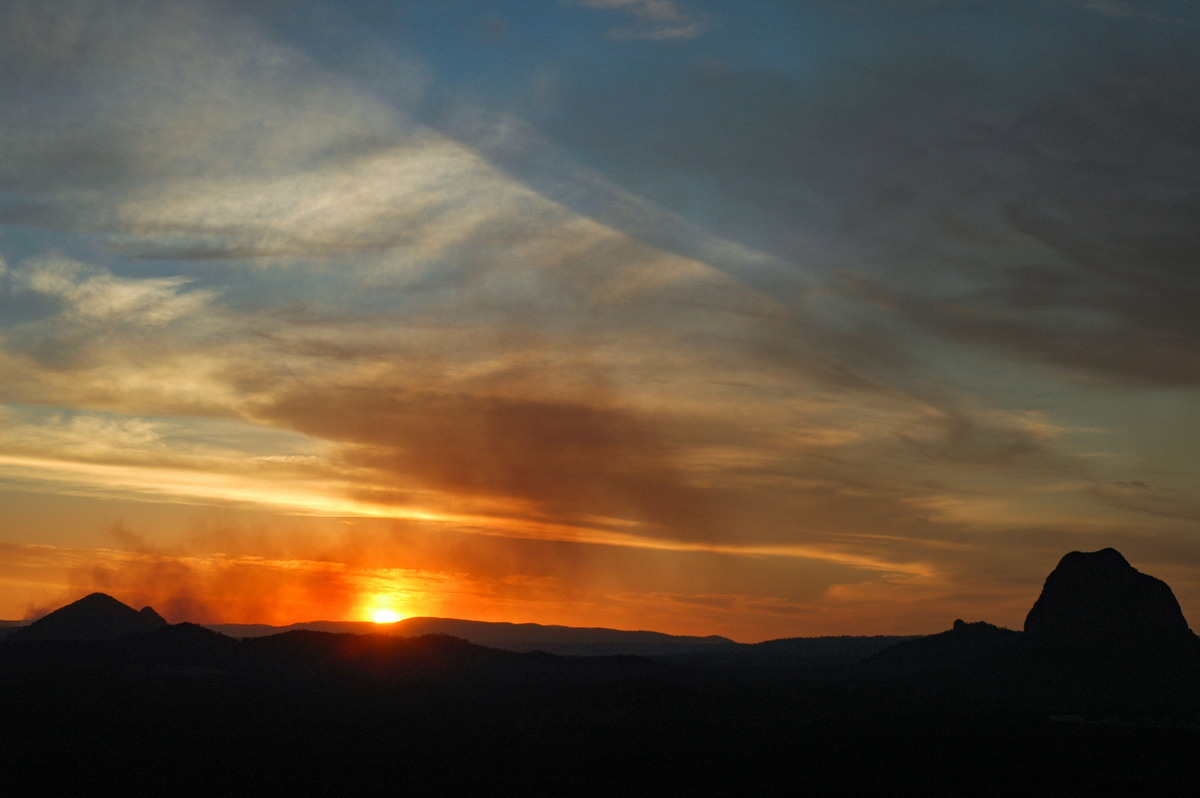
<point x="524" y="637"/>
<point x="1095" y="604"/>
<point x="1095" y="610"/>
<point x="976" y="645"/>
<point x="98" y="616"/>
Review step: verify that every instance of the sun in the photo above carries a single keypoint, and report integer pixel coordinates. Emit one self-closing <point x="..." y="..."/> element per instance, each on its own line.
<point x="384" y="606"/>
<point x="385" y="616"/>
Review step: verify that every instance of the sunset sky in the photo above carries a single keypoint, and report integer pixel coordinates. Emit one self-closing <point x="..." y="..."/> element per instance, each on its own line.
<point x="762" y="319"/>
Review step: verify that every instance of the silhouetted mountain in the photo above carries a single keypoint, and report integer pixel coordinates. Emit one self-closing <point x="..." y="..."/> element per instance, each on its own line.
<point x="151" y="617"/>
<point x="385" y="662"/>
<point x="94" y="617"/>
<point x="965" y="644"/>
<point x="785" y="655"/>
<point x="1095" y="604"/>
<point x="564" y="640"/>
<point x="712" y="651"/>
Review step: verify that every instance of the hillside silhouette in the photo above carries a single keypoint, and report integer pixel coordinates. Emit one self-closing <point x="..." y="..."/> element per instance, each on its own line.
<point x="94" y="617"/>
<point x="509" y="636"/>
<point x="1077" y="700"/>
<point x="1096" y="605"/>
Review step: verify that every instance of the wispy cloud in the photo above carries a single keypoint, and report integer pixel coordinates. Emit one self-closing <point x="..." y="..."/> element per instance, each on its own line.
<point x="95" y="297"/>
<point x="655" y="20"/>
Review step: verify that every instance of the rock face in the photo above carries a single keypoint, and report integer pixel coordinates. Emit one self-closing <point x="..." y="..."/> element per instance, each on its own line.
<point x="1097" y="604"/>
<point x="95" y="617"/>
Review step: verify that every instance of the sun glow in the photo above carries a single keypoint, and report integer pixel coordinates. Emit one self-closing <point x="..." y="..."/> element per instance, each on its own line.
<point x="385" y="616"/>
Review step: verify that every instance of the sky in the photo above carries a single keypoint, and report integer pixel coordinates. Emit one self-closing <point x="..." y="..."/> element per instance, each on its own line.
<point x="761" y="319"/>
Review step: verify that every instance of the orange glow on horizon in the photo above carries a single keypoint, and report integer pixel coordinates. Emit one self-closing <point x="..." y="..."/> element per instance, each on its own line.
<point x="383" y="607"/>
<point x="246" y="588"/>
<point x="385" y="616"/>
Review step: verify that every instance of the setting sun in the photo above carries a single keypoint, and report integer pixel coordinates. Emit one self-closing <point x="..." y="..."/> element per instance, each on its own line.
<point x="385" y="616"/>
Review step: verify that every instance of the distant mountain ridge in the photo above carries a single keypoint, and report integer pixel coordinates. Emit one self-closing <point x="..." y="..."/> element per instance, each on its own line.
<point x="521" y="637"/>
<point x="709" y="651"/>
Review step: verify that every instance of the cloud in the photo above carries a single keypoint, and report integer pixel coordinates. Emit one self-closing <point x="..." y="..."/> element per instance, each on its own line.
<point x="94" y="296"/>
<point x="104" y="340"/>
<point x="177" y="107"/>
<point x="87" y="437"/>
<point x="1139" y="498"/>
<point x="410" y="196"/>
<point x="653" y="20"/>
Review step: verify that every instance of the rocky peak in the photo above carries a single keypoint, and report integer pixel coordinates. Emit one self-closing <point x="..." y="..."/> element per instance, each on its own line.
<point x="1097" y="603"/>
<point x="98" y="616"/>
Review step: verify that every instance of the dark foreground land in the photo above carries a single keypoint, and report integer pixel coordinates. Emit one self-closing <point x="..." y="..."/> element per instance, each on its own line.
<point x="315" y="713"/>
<point x="1101" y="691"/>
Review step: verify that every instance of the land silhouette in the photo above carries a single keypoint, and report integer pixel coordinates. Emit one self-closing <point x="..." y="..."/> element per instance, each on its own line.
<point x="1101" y="689"/>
